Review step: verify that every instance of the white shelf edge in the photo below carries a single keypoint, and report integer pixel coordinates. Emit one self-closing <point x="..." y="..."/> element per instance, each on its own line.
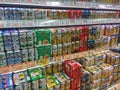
<point x="33" y="5"/>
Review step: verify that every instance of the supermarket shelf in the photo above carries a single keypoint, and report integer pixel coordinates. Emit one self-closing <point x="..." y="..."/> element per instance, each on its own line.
<point x="33" y="64"/>
<point x="20" y="24"/>
<point x="85" y="5"/>
<point x="33" y="27"/>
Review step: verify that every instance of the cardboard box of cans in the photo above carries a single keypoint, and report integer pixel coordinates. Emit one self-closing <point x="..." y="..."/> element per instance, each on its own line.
<point x="114" y="59"/>
<point x="72" y="69"/>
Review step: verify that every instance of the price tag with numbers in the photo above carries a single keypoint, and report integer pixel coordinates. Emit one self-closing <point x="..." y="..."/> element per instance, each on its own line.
<point x="29" y="1"/>
<point x="9" y="23"/>
<point x="30" y="23"/>
<point x="2" y="24"/>
<point x="23" y="23"/>
<point x="16" y="23"/>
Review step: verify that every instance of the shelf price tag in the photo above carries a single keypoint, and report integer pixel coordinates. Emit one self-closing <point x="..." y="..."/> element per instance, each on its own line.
<point x="30" y="23"/>
<point x="43" y="1"/>
<point x="29" y="1"/>
<point x="9" y="23"/>
<point x="87" y="5"/>
<point x="96" y="5"/>
<point x="1" y="24"/>
<point x="23" y="23"/>
<point x="80" y="4"/>
<point x="16" y="23"/>
<point x="83" y="4"/>
<point x="26" y="23"/>
<point x="64" y="22"/>
<point x="67" y="22"/>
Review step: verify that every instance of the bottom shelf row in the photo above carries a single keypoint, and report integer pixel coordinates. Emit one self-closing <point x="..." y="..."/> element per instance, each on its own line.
<point x="83" y="73"/>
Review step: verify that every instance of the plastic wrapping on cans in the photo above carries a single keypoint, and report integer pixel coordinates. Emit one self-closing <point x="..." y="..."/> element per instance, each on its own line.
<point x="30" y="39"/>
<point x="7" y="40"/>
<point x="18" y="58"/>
<point x="35" y="85"/>
<point x="1" y="42"/>
<point x="59" y="66"/>
<point x="10" y="58"/>
<point x="24" y="54"/>
<point x="42" y="82"/>
<point x="3" y="61"/>
<point x="54" y="50"/>
<point x="49" y="69"/>
<point x="55" y="67"/>
<point x="19" y="87"/>
<point x="23" y="40"/>
<point x="15" y="39"/>
<point x="72" y="68"/>
<point x="31" y="53"/>
<point x="27" y="86"/>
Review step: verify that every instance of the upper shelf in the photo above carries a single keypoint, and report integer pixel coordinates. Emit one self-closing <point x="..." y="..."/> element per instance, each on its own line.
<point x="60" y="5"/>
<point x="18" y="24"/>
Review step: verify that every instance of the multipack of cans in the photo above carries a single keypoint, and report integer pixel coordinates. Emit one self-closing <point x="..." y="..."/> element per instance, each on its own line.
<point x="23" y="45"/>
<point x="95" y="37"/>
<point x="25" y="80"/>
<point x="69" y="40"/>
<point x="16" y="46"/>
<point x="95" y="72"/>
<point x="73" y="70"/>
<point x="43" y="45"/>
<point x="107" y="75"/>
<point x="95" y="57"/>
<point x="85" y="82"/>
<point x="111" y="35"/>
<point x="53" y="83"/>
<point x="114" y="59"/>
<point x="99" y="36"/>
